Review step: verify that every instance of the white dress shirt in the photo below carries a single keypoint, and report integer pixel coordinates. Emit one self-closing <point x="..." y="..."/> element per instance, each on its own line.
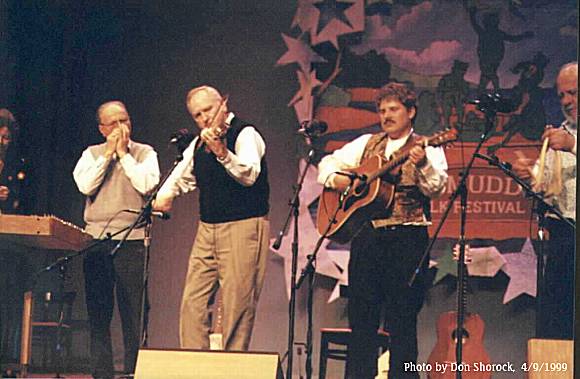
<point x="565" y="201"/>
<point x="432" y="176"/>
<point x="242" y="164"/>
<point x="90" y="171"/>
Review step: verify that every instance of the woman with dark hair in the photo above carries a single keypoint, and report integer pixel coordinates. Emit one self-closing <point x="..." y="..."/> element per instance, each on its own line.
<point x="11" y="164"/>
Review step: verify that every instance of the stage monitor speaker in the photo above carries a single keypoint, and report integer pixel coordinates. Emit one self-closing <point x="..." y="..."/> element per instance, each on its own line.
<point x="199" y="364"/>
<point x="550" y="359"/>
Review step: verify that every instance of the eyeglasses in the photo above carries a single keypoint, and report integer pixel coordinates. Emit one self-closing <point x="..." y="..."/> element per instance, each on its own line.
<point x="116" y="122"/>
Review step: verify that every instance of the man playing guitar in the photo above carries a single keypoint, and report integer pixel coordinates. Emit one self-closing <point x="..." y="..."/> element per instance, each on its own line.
<point x="387" y="249"/>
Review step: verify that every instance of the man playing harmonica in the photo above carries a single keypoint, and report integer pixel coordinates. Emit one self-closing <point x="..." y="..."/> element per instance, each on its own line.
<point x="226" y="162"/>
<point x="114" y="175"/>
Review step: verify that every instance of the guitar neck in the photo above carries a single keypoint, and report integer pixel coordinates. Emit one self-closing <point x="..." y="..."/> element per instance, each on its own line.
<point x="402" y="154"/>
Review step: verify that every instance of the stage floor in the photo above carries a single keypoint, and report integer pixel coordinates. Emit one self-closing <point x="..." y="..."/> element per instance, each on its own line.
<point x="50" y="375"/>
<point x="66" y="375"/>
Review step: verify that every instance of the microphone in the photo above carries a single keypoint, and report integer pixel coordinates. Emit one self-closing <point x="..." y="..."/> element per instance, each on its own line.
<point x="494" y="102"/>
<point x="494" y="160"/>
<point x="181" y="137"/>
<point x="160" y="214"/>
<point x="313" y="128"/>
<point x="352" y="175"/>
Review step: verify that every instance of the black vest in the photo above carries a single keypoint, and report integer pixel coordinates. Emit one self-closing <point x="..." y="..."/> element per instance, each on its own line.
<point x="221" y="197"/>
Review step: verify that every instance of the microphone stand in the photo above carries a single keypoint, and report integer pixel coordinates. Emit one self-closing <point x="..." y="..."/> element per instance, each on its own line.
<point x="61" y="263"/>
<point x="541" y="208"/>
<point x="293" y="214"/>
<point x="309" y="270"/>
<point x="144" y="217"/>
<point x="142" y="220"/>
<point x="490" y="112"/>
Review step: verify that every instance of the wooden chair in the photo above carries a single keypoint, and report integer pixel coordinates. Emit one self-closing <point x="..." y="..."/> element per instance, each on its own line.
<point x="46" y="325"/>
<point x="341" y="337"/>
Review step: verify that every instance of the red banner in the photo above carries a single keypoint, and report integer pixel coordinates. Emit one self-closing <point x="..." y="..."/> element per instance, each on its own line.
<point x="496" y="206"/>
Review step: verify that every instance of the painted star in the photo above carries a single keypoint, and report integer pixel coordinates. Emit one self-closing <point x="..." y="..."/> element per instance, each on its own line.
<point x="308" y="82"/>
<point x="521" y="269"/>
<point x="306" y="16"/>
<point x="330" y="10"/>
<point x="308" y="236"/>
<point x="445" y="266"/>
<point x="335" y="27"/>
<point x="298" y="52"/>
<point x="486" y="261"/>
<point x="303" y="109"/>
<point x="340" y="259"/>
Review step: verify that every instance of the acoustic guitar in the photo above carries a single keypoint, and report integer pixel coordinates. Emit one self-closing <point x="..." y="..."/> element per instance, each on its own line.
<point x="342" y="214"/>
<point x="442" y="361"/>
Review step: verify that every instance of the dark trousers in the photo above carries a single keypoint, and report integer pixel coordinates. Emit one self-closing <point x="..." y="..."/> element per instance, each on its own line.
<point x="557" y="315"/>
<point x="105" y="278"/>
<point x="381" y="264"/>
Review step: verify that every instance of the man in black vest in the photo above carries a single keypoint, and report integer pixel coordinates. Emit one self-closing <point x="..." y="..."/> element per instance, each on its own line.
<point x="385" y="253"/>
<point x="226" y="162"/>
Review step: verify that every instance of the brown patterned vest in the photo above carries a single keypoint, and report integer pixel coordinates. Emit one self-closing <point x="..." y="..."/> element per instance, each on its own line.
<point x="410" y="205"/>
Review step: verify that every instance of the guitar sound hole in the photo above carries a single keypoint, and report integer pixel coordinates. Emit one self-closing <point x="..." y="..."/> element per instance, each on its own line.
<point x="350" y="200"/>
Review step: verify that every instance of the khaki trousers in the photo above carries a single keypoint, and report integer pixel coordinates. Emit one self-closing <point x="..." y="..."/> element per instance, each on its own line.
<point x="233" y="256"/>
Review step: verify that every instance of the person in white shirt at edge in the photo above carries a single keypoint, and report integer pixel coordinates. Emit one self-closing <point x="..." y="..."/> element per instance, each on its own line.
<point x="231" y="245"/>
<point x="557" y="308"/>
<point x="114" y="175"/>
<point x="385" y="253"/>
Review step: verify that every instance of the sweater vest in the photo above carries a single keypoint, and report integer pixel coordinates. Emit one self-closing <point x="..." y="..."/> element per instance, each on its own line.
<point x="221" y="197"/>
<point x="115" y="194"/>
<point x="410" y="205"/>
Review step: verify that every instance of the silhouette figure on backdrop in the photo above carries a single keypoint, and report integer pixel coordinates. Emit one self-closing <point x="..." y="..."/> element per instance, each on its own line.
<point x="452" y="90"/>
<point x="428" y="120"/>
<point x="491" y="46"/>
<point x="529" y="116"/>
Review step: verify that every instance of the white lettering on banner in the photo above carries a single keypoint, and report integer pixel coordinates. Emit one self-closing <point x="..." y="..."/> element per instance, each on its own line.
<point x="486" y="185"/>
<point x="482" y="207"/>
